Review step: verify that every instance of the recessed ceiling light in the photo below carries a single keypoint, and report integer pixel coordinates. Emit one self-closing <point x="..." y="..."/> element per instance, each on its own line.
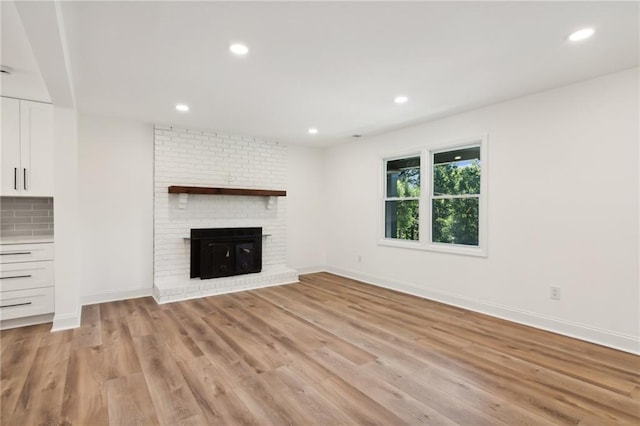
<point x="582" y="34"/>
<point x="313" y="131"/>
<point x="182" y="107"/>
<point x="239" y="49"/>
<point x="457" y="157"/>
<point x="400" y="99"/>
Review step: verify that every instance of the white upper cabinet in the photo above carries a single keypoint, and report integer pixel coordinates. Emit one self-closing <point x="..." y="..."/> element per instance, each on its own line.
<point x="10" y="146"/>
<point x="27" y="148"/>
<point x="36" y="148"/>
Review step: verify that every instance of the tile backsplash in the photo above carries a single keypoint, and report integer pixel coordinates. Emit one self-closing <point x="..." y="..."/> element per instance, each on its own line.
<point x="26" y="216"/>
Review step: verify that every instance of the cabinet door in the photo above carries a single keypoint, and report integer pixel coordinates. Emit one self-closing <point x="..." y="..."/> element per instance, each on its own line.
<point x="26" y="148"/>
<point x="36" y="153"/>
<point x="10" y="182"/>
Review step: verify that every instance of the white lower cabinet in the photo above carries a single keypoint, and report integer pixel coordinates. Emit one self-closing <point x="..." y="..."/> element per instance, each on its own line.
<point x="23" y="275"/>
<point x="26" y="303"/>
<point x="23" y="253"/>
<point x="26" y="280"/>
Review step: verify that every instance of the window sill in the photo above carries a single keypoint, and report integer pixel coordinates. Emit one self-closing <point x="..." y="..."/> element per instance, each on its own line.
<point x="440" y="248"/>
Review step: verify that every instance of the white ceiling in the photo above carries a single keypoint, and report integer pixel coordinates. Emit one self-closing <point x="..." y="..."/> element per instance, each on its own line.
<point x="334" y="66"/>
<point x="15" y="51"/>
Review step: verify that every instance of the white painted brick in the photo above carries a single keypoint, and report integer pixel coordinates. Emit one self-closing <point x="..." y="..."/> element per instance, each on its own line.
<point x="208" y="158"/>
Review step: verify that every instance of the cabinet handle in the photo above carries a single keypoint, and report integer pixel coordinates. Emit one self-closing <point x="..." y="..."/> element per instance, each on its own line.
<point x="17" y="276"/>
<point x="24" y="178"/>
<point x="16" y="304"/>
<point x="15" y="178"/>
<point x="14" y="253"/>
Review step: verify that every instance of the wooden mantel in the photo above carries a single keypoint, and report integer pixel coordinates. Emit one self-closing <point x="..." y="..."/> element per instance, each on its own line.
<point x="227" y="191"/>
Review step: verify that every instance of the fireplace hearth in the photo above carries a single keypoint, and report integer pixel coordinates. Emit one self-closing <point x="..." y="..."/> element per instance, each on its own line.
<point x="224" y="252"/>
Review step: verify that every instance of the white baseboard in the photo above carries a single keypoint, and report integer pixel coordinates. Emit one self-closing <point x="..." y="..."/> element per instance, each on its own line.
<point x="310" y="269"/>
<point x="112" y="296"/>
<point x="585" y="332"/>
<point x="69" y="321"/>
<point x="66" y="322"/>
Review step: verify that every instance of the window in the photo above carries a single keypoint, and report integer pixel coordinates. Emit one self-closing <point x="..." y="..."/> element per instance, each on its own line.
<point x="450" y="215"/>
<point x="402" y="199"/>
<point x="455" y="198"/>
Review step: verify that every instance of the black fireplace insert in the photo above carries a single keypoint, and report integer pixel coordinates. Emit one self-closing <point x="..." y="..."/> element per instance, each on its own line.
<point x="223" y="252"/>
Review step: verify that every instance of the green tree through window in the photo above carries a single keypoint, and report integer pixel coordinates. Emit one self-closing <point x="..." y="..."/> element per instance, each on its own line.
<point x="402" y="203"/>
<point x="455" y="202"/>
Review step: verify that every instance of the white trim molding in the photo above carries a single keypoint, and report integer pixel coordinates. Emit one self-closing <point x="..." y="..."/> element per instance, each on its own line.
<point x="310" y="269"/>
<point x="426" y="154"/>
<point x="609" y="338"/>
<point x="68" y="321"/>
<point x="112" y="296"/>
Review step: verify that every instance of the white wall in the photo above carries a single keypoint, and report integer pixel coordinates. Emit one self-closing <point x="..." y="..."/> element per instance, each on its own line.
<point x="563" y="211"/>
<point x="115" y="226"/>
<point x="67" y="301"/>
<point x="305" y="209"/>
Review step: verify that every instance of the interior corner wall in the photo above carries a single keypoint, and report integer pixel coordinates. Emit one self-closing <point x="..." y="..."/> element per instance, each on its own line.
<point x="115" y="224"/>
<point x="562" y="211"/>
<point x="305" y="209"/>
<point x="67" y="301"/>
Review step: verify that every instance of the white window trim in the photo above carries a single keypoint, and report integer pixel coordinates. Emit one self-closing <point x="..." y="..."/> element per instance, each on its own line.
<point x="426" y="165"/>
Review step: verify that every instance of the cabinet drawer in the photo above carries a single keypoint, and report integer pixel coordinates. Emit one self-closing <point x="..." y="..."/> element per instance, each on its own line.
<point x="14" y="253"/>
<point x="26" y="275"/>
<point x="25" y="303"/>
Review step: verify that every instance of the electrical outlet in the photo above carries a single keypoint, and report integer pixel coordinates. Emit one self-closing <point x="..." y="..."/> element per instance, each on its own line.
<point x="555" y="293"/>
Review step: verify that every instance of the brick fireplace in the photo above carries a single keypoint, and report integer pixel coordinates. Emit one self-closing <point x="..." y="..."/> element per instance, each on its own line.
<point x="206" y="158"/>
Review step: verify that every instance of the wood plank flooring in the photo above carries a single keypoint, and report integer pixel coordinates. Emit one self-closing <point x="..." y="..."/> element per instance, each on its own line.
<point x="326" y="351"/>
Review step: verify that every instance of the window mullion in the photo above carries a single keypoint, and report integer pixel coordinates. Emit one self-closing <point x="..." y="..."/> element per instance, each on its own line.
<point x="401" y="198"/>
<point x="425" y="202"/>
<point x="449" y="197"/>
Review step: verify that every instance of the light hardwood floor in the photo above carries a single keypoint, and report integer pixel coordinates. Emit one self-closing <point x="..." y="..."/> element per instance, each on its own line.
<point x="327" y="350"/>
